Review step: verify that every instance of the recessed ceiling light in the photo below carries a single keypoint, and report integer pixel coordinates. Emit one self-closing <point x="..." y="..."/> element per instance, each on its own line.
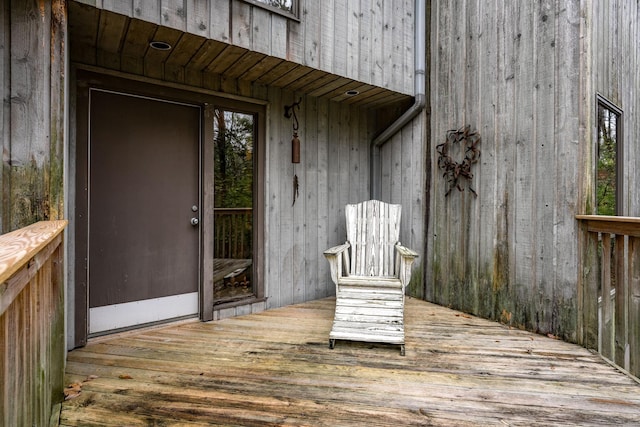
<point x="351" y="92"/>
<point x="160" y="45"/>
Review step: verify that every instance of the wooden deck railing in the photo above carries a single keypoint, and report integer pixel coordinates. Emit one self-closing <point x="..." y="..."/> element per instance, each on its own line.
<point x="610" y="288"/>
<point x="32" y="343"/>
<point x="232" y="237"/>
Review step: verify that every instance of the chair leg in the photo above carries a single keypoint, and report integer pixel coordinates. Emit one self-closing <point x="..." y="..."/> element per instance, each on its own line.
<point x="332" y="343"/>
<point x="401" y="349"/>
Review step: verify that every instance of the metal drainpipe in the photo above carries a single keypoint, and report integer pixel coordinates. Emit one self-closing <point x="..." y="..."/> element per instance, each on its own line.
<point x="414" y="110"/>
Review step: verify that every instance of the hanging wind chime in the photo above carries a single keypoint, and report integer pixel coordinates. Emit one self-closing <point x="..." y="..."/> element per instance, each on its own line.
<point x="289" y="111"/>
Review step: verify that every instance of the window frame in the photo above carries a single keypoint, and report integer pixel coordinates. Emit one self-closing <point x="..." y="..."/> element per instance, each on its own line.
<point x="604" y="102"/>
<point x="294" y="14"/>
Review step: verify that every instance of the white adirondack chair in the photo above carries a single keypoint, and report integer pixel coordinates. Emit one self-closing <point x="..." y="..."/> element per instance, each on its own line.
<point x="371" y="271"/>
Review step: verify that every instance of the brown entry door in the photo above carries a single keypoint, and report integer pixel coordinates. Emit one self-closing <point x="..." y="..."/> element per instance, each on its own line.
<point x="143" y="210"/>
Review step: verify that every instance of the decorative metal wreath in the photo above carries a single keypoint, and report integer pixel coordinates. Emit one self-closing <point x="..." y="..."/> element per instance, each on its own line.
<point x="453" y="170"/>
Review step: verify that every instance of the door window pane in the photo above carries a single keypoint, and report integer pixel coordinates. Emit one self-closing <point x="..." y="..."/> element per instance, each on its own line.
<point x="234" y="134"/>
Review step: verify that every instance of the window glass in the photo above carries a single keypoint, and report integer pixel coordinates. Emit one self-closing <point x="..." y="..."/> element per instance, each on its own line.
<point x="608" y="166"/>
<point x="286" y="7"/>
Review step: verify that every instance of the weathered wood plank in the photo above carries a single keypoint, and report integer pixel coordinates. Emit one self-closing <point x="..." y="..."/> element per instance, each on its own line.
<point x="275" y="368"/>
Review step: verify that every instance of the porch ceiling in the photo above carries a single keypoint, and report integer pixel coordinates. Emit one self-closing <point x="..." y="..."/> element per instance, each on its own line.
<point x="118" y="42"/>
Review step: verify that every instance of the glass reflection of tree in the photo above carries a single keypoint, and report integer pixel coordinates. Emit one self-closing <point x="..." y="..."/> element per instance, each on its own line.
<point x="233" y="160"/>
<point x="606" y="179"/>
<point x="280" y="4"/>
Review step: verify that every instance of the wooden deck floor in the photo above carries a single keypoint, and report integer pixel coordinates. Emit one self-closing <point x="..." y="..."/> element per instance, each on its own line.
<point x="275" y="368"/>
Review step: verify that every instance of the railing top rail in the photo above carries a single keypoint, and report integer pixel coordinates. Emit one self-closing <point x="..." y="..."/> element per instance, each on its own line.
<point x="18" y="247"/>
<point x="624" y="225"/>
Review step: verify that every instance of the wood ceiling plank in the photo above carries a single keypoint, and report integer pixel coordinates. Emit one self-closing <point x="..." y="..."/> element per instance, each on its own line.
<point x="294" y="74"/>
<point x="246" y="62"/>
<point x="185" y="49"/>
<point x="209" y="51"/>
<point x="330" y="87"/>
<point x="111" y="31"/>
<point x="136" y="41"/>
<point x="301" y="83"/>
<point x="276" y="72"/>
<point x="261" y="68"/>
<point x="225" y="60"/>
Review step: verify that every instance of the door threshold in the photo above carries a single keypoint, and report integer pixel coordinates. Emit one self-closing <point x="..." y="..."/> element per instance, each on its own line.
<point x="116" y="317"/>
<point x="133" y="330"/>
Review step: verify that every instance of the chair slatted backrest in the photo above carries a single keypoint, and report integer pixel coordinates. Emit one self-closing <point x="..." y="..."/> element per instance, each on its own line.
<point x="373" y="229"/>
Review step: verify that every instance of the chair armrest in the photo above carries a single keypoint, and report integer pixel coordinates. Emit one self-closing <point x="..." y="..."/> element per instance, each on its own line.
<point x="404" y="261"/>
<point x="335" y="256"/>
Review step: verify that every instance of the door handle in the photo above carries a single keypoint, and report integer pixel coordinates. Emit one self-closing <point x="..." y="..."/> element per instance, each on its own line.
<point x="194" y="221"/>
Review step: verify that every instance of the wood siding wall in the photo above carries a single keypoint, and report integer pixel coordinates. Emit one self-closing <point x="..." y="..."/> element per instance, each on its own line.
<point x="369" y="41"/>
<point x="32" y="65"/>
<point x="404" y="170"/>
<point x="615" y="60"/>
<point x="512" y="71"/>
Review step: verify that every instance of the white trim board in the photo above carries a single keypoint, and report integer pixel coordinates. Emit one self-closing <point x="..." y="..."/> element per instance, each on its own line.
<point x="117" y="316"/>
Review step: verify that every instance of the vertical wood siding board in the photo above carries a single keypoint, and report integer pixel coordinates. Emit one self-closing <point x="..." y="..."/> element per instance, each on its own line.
<point x="335" y="211"/>
<point x="325" y="240"/>
<point x="220" y="20"/>
<point x="121" y="7"/>
<point x="326" y="33"/>
<point x="341" y="23"/>
<point x="386" y="43"/>
<point x="353" y="22"/>
<point x="364" y="42"/>
<point x="261" y="30"/>
<point x="174" y="14"/>
<point x="419" y="199"/>
<point x="272" y="189"/>
<point x="309" y="150"/>
<point x="526" y="76"/>
<point x="312" y="34"/>
<point x="298" y="210"/>
<point x="410" y="184"/>
<point x="544" y="189"/>
<point x="376" y="46"/>
<point x="434" y="236"/>
<point x="353" y="142"/>
<point x="470" y="107"/>
<point x="344" y="120"/>
<point x="198" y="17"/>
<point x="241" y="24"/>
<point x="396" y="48"/>
<point x="487" y="70"/>
<point x="567" y="164"/>
<point x="148" y="10"/>
<point x="450" y="205"/>
<point x="407" y="85"/>
<point x="287" y="235"/>
<point x="279" y="34"/>
<point x="456" y="208"/>
<point x="57" y="109"/>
